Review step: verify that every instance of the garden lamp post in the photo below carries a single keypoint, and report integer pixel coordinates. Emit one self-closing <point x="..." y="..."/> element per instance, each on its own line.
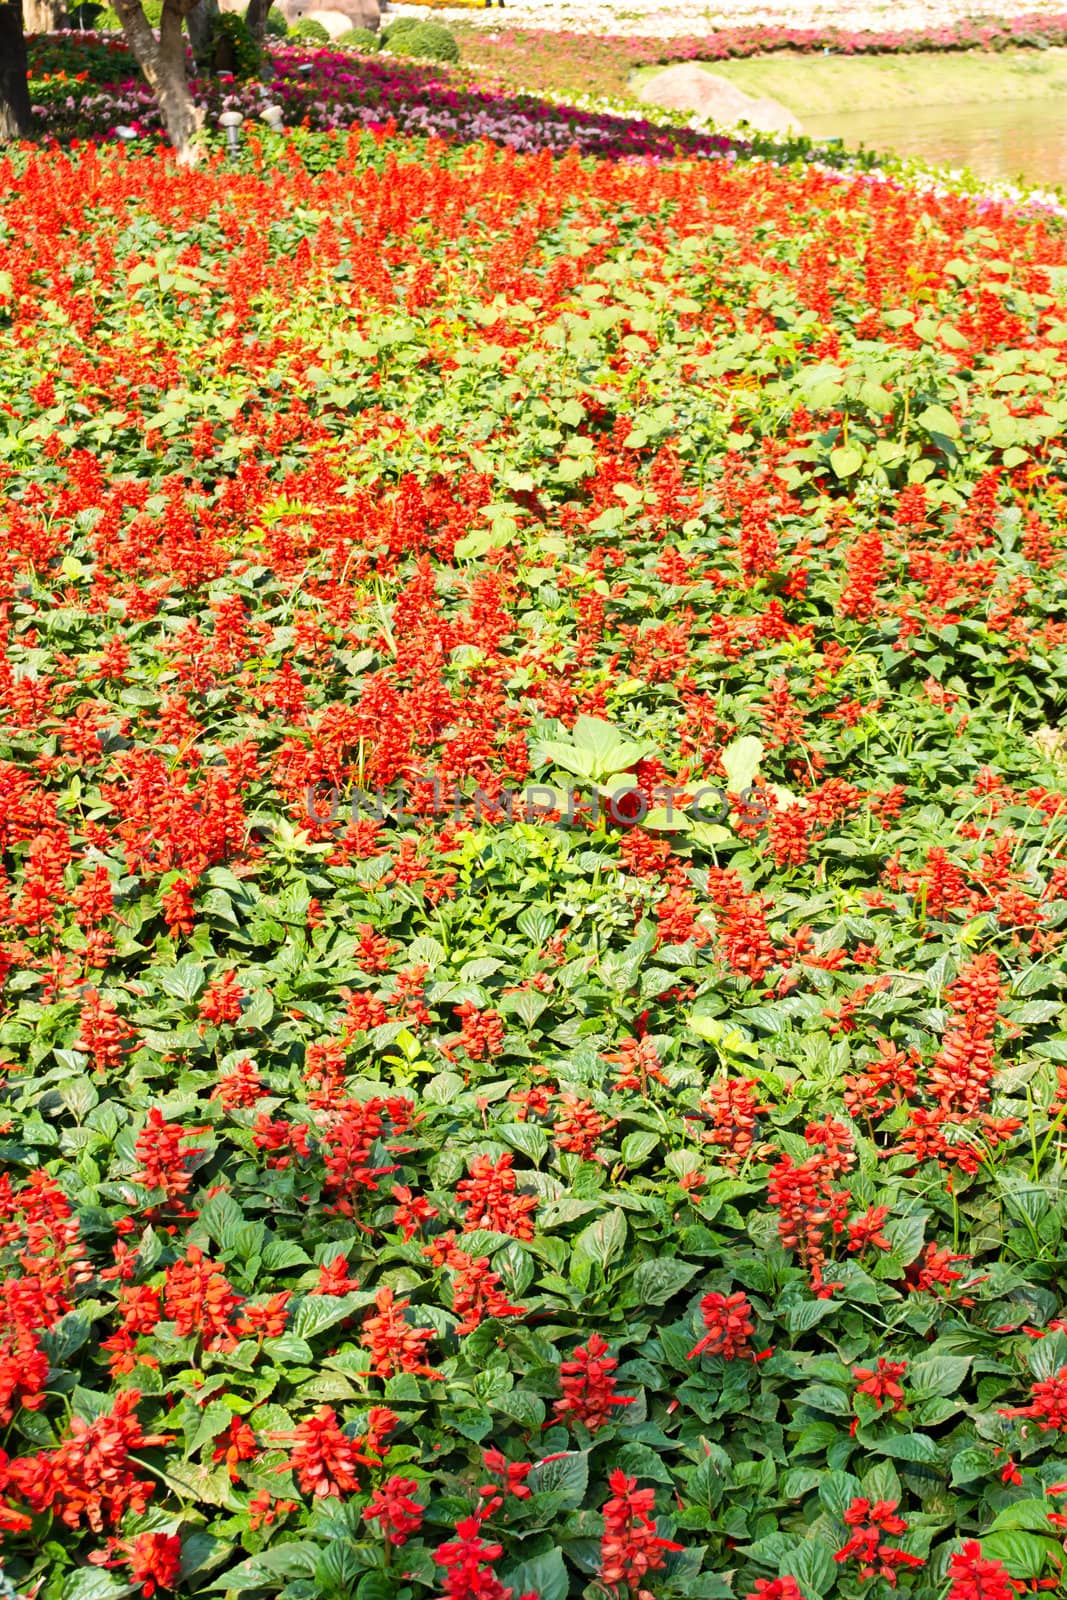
<point x="272" y="116"/>
<point x="231" y="121"/>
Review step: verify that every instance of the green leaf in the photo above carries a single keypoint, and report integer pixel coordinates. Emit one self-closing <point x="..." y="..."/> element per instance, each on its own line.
<point x="526" y="1137"/>
<point x="837" y="1490"/>
<point x="938" y="419"/>
<point x="655" y="1281"/>
<point x="1046" y="1356"/>
<point x="215" y="1419"/>
<point x="597" y="750"/>
<point x="741" y="760"/>
<point x="905" y="1447"/>
<point x="846" y="460"/>
<point x="812" y="1565"/>
<point x="65" y="1338"/>
<point x="315" y="1313"/>
<point x="184" y="980"/>
<point x="92" y="1584"/>
<point x="376" y="1586"/>
<point x="544" y="1576"/>
<point x="295" y="1559"/>
<point x="806" y="1314"/>
<point x="339" y="1568"/>
<point x="906" y="1235"/>
<point x="1029" y="1514"/>
<point x="604" y="1240"/>
<point x="222" y="1219"/>
<point x="971" y="1466"/>
<point x="1024" y="1554"/>
<point x="636" y="1147"/>
<point x="938" y="1374"/>
<point x="566" y="1475"/>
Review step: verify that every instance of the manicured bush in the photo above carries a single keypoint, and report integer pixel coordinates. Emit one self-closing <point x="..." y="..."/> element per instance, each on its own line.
<point x="277" y="27"/>
<point x="401" y="25"/>
<point x="310" y="31"/>
<point x="362" y="39"/>
<point x="428" y="42"/>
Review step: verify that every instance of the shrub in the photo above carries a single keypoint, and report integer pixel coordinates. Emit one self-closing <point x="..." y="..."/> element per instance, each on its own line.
<point x="310" y="31"/>
<point x="401" y="25"/>
<point x="231" y="47"/>
<point x="429" y="41"/>
<point x="359" y="39"/>
<point x="277" y="27"/>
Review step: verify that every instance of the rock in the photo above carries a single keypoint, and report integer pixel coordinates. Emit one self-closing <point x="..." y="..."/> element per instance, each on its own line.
<point x="337" y="18"/>
<point x="688" y="87"/>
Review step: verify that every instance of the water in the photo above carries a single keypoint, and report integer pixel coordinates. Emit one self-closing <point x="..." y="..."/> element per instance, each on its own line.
<point x="1000" y="139"/>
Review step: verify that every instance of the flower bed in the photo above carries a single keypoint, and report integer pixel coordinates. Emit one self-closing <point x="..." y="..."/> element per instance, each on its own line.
<point x="533" y="904"/>
<point x="1037" y="30"/>
<point x="602" y="60"/>
<point x="332" y="89"/>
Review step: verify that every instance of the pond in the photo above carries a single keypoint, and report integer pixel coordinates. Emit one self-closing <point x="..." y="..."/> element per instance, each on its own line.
<point x="999" y="139"/>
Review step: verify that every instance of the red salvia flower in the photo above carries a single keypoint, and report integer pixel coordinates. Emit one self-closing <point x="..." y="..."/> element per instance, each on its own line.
<point x="220" y="1003"/>
<point x="102" y="1033"/>
<point x="1048" y="1406"/>
<point x="467" y="1561"/>
<point x="882" y="1383"/>
<point x="334" y="1279"/>
<point x="509" y="1481"/>
<point x="489" y="1195"/>
<point x="90" y="1477"/>
<point x="323" y="1458"/>
<point x="639" y="1065"/>
<point x="580" y="1127"/>
<point x="411" y="1211"/>
<point x="154" y="1560"/>
<point x="631" y="1547"/>
<point x="240" y="1088"/>
<point x="198" y="1299"/>
<point x="776" y="1589"/>
<point x="483" y="1031"/>
<point x="395" y="1345"/>
<point x="394" y="1508"/>
<point x="23" y="1373"/>
<point x="237" y="1444"/>
<point x="977" y="1577"/>
<point x="179" y="913"/>
<point x="964" y="1066"/>
<point x="162" y="1159"/>
<point x="589" y="1395"/>
<point x="727" y="1318"/>
<point x="865" y="1544"/>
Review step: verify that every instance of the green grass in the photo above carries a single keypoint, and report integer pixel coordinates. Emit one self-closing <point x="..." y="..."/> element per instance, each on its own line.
<point x="823" y="85"/>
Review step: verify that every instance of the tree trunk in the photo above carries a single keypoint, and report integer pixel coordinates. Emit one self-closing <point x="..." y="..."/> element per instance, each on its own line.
<point x="200" y="23"/>
<point x="16" y="118"/>
<point x="256" y="19"/>
<point x="44" y="16"/>
<point x="162" y="61"/>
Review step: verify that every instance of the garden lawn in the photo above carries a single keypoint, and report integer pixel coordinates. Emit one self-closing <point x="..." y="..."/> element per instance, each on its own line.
<point x="821" y="85"/>
<point x="648" y="1186"/>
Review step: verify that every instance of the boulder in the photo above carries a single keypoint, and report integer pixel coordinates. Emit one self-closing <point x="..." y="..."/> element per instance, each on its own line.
<point x="337" y="17"/>
<point x="689" y="87"/>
